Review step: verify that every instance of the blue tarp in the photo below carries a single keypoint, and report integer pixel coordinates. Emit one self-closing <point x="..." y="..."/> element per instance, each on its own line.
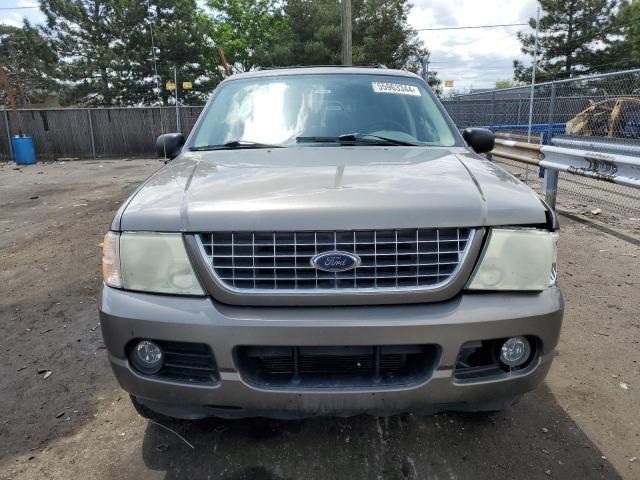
<point x="535" y="127"/>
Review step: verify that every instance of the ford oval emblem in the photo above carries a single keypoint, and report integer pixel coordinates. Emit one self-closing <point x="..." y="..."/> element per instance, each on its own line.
<point x="335" y="261"/>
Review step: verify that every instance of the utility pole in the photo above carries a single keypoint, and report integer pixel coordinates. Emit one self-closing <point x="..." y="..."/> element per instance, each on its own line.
<point x="425" y="67"/>
<point x="175" y="83"/>
<point x="533" y="75"/>
<point x="347" y="56"/>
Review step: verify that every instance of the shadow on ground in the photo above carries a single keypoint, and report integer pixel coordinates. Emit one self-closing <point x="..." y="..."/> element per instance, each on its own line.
<point x="534" y="439"/>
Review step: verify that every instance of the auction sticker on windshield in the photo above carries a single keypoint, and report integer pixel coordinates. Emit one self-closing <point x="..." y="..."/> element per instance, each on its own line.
<point x="398" y="88"/>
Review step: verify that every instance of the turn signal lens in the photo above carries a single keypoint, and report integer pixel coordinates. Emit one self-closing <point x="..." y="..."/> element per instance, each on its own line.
<point x="553" y="280"/>
<point x="111" y="260"/>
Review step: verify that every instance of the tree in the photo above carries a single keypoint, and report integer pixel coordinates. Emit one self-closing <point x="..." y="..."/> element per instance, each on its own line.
<point x="381" y="33"/>
<point x="571" y="36"/>
<point x="249" y="31"/>
<point x="434" y="82"/>
<point x="315" y="32"/>
<point x="105" y="47"/>
<point x="624" y="48"/>
<point x="500" y="84"/>
<point x="27" y="61"/>
<point x="182" y="39"/>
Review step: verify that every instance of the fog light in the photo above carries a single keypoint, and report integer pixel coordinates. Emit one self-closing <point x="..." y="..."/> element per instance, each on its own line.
<point x="147" y="357"/>
<point x="515" y="351"/>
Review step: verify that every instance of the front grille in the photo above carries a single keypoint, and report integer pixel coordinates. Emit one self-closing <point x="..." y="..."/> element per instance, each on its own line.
<point x="390" y="259"/>
<point x="342" y="366"/>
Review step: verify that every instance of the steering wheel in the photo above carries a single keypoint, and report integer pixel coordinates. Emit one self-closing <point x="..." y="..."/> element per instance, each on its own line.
<point x="384" y="125"/>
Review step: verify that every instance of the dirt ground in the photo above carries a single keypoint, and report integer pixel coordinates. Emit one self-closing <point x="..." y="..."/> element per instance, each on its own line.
<point x="76" y="422"/>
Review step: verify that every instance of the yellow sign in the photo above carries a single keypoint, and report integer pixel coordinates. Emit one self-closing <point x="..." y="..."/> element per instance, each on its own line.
<point x="448" y="83"/>
<point x="170" y="85"/>
<point x="187" y="85"/>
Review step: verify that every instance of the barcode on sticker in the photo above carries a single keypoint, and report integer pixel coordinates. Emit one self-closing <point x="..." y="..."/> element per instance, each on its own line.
<point x="399" y="88"/>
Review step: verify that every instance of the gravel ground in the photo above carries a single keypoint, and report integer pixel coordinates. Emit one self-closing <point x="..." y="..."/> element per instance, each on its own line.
<point x="75" y="422"/>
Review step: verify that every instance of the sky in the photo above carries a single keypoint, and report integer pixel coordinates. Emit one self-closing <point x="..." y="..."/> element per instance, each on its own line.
<point x="14" y="17"/>
<point x="474" y="58"/>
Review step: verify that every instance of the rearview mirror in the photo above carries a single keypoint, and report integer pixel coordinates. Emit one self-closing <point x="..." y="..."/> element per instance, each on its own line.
<point x="169" y="145"/>
<point x="480" y="140"/>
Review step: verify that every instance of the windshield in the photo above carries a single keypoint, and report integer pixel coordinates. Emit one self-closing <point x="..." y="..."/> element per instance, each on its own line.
<point x="329" y="109"/>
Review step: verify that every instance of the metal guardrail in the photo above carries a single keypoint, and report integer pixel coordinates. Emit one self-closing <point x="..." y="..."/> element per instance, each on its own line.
<point x="605" y="167"/>
<point x="515" y="150"/>
<point x="614" y="168"/>
<point x="605" y="145"/>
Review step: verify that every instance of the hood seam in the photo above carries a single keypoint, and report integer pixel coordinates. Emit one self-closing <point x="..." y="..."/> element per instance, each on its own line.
<point x="484" y="211"/>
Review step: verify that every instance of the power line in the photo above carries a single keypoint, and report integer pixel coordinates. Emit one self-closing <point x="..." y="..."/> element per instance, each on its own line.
<point x="17" y="8"/>
<point x="472" y="26"/>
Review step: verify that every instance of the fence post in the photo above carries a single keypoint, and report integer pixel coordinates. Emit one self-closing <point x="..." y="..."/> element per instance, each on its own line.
<point x="6" y="124"/>
<point x="459" y="119"/>
<point x="552" y="108"/>
<point x="550" y="186"/>
<point x="493" y="108"/>
<point x="93" y="145"/>
<point x="546" y="136"/>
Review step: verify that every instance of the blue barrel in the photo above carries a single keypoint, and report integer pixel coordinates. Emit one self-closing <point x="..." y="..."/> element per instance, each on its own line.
<point x="23" y="151"/>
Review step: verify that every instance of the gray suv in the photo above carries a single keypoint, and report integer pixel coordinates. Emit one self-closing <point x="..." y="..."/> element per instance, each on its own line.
<point x="325" y="242"/>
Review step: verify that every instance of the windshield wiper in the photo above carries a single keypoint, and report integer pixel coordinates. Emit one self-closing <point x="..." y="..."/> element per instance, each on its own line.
<point x="317" y="139"/>
<point x="235" y="144"/>
<point x="354" y="138"/>
<point x="373" y="139"/>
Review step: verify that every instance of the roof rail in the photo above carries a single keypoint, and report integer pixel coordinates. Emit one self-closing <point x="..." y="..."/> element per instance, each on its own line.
<point x="377" y="65"/>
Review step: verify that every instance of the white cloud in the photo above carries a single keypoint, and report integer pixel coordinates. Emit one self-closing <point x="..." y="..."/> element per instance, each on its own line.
<point x="15" y="17"/>
<point x="11" y="18"/>
<point x="11" y="22"/>
<point x="476" y="57"/>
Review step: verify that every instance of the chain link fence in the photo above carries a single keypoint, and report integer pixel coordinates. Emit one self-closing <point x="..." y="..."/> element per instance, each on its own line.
<point x="597" y="113"/>
<point x="597" y="109"/>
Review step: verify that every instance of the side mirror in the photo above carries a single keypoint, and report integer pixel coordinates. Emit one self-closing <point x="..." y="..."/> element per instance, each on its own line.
<point x="480" y="139"/>
<point x="170" y="145"/>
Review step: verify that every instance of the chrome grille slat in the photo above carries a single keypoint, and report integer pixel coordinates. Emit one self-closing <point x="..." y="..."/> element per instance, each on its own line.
<point x="328" y="250"/>
<point x="237" y="267"/>
<point x="281" y="261"/>
<point x="383" y="277"/>
<point x="331" y="244"/>
<point x="253" y="254"/>
<point x="295" y="252"/>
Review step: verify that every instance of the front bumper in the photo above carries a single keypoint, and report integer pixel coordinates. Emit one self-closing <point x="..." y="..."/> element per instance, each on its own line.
<point x="471" y="316"/>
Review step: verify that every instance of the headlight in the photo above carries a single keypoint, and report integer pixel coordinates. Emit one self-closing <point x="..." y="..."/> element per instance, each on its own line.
<point x="517" y="259"/>
<point x="152" y="262"/>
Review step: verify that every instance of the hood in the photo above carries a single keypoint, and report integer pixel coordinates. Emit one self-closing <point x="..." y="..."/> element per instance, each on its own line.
<point x="329" y="188"/>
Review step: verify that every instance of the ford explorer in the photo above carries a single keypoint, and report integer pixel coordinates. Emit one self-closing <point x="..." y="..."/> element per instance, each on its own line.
<point x="326" y="242"/>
